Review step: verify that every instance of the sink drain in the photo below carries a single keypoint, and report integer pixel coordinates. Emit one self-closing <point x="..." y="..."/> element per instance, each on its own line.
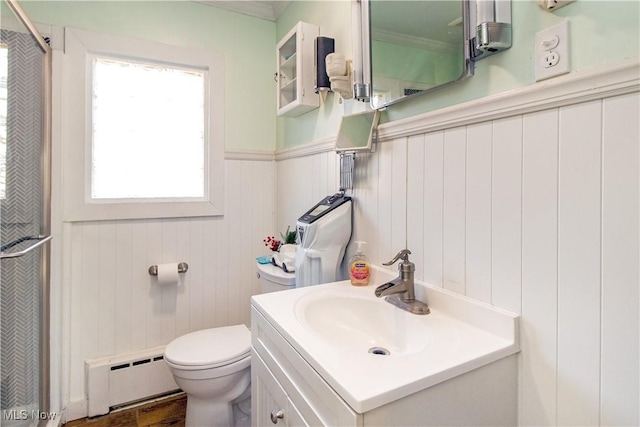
<point x="379" y="351"/>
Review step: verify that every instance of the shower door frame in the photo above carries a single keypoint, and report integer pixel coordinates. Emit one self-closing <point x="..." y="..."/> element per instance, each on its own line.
<point x="45" y="219"/>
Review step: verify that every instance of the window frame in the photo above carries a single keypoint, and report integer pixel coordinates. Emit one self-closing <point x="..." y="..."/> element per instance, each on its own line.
<point x="81" y="47"/>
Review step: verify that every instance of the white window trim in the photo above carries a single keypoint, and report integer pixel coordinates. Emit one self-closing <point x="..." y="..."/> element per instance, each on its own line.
<point x="80" y="48"/>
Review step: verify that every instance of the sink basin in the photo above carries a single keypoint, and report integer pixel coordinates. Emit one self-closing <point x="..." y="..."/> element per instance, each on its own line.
<point x="359" y="324"/>
<point x="372" y="352"/>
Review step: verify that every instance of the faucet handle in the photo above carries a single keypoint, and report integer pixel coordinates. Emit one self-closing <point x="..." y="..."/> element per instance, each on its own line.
<point x="403" y="255"/>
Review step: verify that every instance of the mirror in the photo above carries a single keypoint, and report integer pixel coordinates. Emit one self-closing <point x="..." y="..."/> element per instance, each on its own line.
<point x="415" y="46"/>
<point x="406" y="48"/>
<point x="357" y="132"/>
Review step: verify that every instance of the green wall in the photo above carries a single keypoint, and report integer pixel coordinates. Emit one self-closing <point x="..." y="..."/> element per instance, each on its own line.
<point x="248" y="45"/>
<point x="601" y="32"/>
<point x="334" y="20"/>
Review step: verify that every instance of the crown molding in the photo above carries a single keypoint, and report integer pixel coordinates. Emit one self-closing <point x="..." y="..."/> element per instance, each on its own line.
<point x="279" y="7"/>
<point x="407" y="40"/>
<point x="269" y="10"/>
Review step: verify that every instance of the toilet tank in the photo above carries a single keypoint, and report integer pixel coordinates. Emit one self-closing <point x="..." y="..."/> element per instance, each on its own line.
<point x="274" y="278"/>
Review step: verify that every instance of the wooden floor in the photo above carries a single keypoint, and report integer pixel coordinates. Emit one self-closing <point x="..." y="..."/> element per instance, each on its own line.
<point x="169" y="411"/>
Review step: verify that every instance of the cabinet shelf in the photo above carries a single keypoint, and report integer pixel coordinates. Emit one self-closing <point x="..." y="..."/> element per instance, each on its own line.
<point x="288" y="85"/>
<point x="289" y="64"/>
<point x="295" y="68"/>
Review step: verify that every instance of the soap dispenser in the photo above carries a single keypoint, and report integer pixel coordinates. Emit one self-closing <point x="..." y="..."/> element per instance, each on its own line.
<point x="359" y="268"/>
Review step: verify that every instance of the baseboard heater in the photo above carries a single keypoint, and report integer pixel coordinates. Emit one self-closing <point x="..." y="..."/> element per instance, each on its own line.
<point x="126" y="378"/>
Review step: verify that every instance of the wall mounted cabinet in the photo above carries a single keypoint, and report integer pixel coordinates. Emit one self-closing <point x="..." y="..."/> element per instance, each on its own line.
<point x="295" y="72"/>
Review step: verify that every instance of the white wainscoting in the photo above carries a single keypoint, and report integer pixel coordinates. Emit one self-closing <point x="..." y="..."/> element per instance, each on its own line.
<point x="301" y="183"/>
<point x="115" y="307"/>
<point x="537" y="213"/>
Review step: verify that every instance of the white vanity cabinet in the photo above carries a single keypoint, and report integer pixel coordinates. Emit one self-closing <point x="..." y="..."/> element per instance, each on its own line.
<point x="283" y="380"/>
<point x="295" y="71"/>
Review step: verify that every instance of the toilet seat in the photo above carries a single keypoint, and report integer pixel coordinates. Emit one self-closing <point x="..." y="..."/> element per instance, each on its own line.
<point x="209" y="348"/>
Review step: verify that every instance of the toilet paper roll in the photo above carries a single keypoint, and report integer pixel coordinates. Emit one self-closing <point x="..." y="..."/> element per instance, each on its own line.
<point x="168" y="274"/>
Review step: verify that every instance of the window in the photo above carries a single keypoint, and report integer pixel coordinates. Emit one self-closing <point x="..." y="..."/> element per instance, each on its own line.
<point x="155" y="114"/>
<point x="148" y="129"/>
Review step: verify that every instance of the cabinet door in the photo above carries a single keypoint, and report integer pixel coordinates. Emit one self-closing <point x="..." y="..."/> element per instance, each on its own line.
<point x="269" y="402"/>
<point x="293" y="416"/>
<point x="295" y="59"/>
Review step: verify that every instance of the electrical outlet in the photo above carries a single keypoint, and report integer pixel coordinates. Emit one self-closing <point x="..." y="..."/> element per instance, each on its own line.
<point x="552" y="51"/>
<point x="551" y="59"/>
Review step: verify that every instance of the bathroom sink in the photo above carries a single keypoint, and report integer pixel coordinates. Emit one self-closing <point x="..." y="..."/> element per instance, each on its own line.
<point x="358" y="324"/>
<point x="371" y="352"/>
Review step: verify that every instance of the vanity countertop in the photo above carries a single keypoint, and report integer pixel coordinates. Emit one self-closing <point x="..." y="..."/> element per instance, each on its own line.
<point x="333" y="327"/>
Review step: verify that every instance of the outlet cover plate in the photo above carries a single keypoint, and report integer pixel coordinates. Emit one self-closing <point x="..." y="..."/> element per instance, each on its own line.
<point x="552" y="42"/>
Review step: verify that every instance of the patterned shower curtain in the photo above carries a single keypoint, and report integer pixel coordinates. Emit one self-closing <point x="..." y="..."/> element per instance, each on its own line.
<point x="20" y="215"/>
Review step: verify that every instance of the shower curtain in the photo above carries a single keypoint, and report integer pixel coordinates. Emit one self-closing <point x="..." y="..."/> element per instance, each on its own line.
<point x="23" y="282"/>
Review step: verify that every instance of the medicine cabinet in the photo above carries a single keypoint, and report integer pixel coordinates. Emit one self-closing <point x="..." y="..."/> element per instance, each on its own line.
<point x="406" y="48"/>
<point x="295" y="71"/>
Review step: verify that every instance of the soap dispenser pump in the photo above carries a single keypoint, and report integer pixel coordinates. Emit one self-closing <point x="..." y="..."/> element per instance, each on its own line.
<point x="359" y="268"/>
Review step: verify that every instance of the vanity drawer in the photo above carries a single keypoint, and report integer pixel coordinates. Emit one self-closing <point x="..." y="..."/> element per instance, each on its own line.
<point x="317" y="402"/>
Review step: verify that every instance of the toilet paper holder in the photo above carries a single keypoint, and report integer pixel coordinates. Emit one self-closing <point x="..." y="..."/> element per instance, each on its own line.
<point x="182" y="268"/>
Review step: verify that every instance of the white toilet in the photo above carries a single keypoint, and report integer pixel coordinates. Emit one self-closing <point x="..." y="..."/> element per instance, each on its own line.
<point x="274" y="278"/>
<point x="213" y="366"/>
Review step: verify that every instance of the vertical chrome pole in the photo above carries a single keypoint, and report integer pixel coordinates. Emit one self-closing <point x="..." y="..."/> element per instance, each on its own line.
<point x="361" y="50"/>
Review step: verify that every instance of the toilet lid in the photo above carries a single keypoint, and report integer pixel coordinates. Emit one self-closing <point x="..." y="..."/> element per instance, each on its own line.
<point x="209" y="348"/>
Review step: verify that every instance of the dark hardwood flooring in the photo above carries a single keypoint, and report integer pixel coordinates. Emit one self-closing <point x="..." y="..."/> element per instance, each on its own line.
<point x="165" y="412"/>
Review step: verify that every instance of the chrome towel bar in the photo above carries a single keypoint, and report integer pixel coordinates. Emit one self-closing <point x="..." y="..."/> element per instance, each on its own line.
<point x="39" y="240"/>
